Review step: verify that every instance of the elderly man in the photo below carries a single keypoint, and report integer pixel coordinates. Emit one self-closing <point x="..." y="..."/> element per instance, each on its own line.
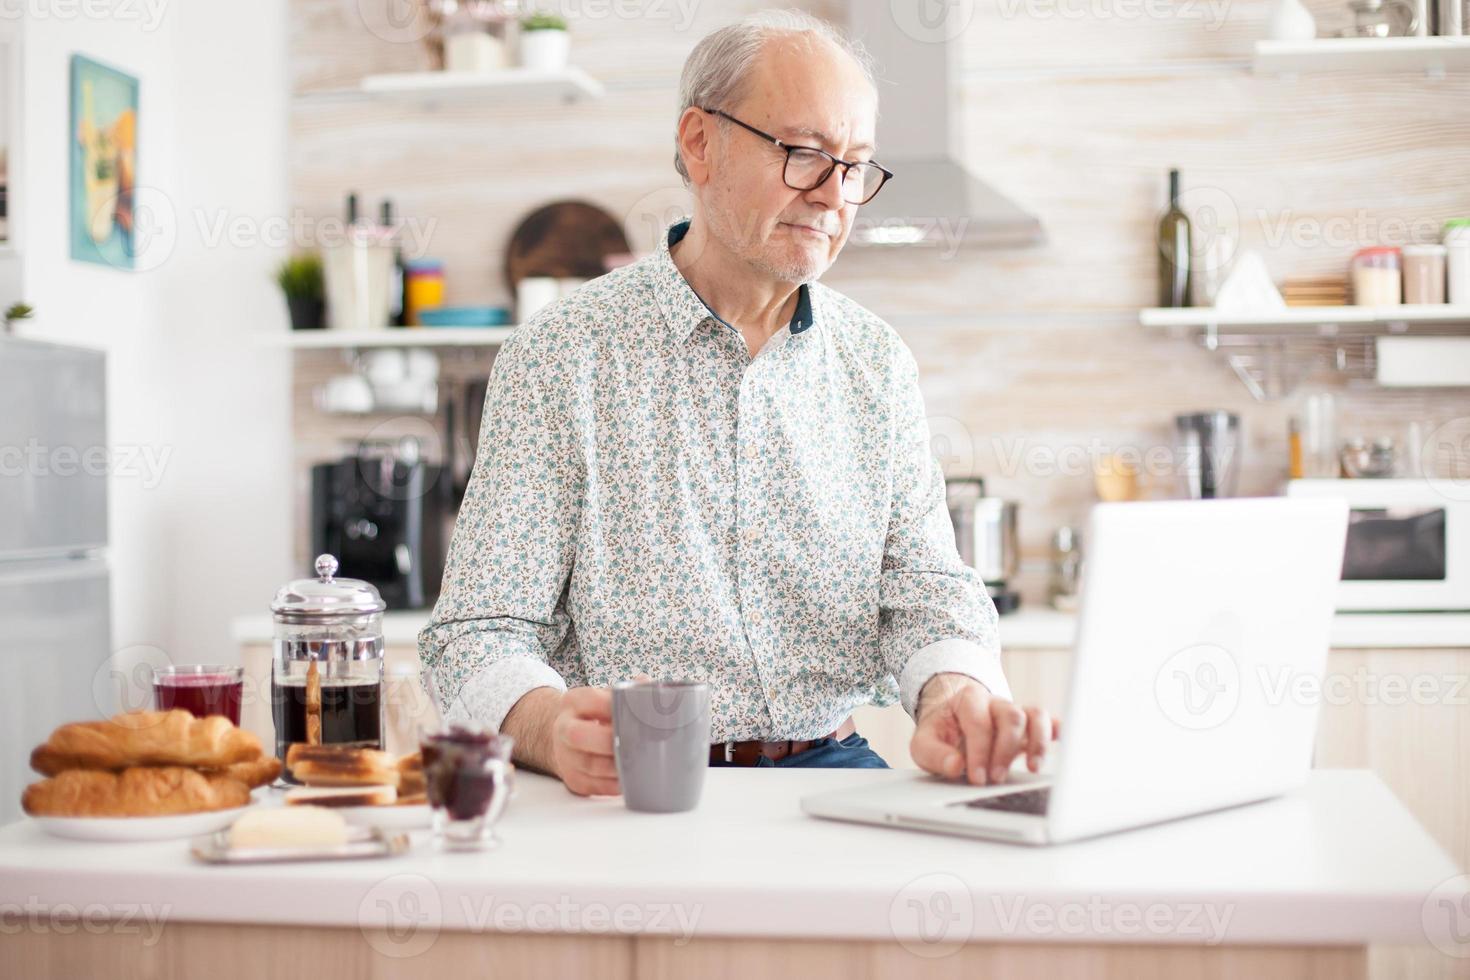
<point x="707" y="465"/>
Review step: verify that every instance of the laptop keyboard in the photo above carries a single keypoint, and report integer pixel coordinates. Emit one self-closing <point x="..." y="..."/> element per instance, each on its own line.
<point x="1031" y="801"/>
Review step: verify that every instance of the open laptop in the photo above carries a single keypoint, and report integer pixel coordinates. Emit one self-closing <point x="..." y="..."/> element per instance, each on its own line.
<point x="1203" y="637"/>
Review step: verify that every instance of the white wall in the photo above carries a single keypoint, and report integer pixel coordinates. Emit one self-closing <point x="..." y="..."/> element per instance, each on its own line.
<point x="206" y="536"/>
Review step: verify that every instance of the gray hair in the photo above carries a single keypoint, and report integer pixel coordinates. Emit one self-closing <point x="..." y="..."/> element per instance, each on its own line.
<point x="719" y="67"/>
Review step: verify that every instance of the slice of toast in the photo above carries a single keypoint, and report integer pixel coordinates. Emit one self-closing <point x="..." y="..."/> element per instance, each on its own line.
<point x="341" y="765"/>
<point x="334" y="796"/>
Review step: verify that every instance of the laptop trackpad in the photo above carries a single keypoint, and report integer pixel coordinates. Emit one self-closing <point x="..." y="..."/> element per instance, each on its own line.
<point x="1029" y="801"/>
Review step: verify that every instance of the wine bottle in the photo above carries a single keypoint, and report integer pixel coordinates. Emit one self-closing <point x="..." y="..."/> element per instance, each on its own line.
<point x="1174" y="250"/>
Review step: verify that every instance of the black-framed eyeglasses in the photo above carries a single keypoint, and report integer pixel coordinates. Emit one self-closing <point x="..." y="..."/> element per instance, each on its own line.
<point x="808" y="167"/>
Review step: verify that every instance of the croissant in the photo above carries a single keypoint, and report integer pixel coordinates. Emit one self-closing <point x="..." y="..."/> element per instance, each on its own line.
<point x="256" y="772"/>
<point x="146" y="738"/>
<point x="139" y="791"/>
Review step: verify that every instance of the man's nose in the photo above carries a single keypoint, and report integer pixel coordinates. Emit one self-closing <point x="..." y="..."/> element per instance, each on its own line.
<point x="829" y="192"/>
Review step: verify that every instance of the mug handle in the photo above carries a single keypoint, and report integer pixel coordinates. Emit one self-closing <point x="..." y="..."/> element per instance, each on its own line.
<point x="501" y="779"/>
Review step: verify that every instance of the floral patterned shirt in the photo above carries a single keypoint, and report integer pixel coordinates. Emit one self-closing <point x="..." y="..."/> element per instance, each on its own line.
<point x="649" y="497"/>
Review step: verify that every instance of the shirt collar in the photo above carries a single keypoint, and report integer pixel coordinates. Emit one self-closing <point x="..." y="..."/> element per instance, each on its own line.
<point x="682" y="306"/>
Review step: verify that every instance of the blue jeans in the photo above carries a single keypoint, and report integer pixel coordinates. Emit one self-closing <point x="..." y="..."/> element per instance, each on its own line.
<point x="827" y="753"/>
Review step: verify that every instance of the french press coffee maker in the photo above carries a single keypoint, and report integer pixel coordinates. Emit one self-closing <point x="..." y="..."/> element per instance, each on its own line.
<point x="327" y="666"/>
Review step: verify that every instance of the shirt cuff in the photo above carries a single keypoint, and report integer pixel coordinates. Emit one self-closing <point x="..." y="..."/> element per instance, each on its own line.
<point x="488" y="697"/>
<point x="952" y="656"/>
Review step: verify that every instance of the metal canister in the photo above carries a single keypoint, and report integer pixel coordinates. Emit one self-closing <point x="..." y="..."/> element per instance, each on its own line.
<point x="986" y="537"/>
<point x="984" y="530"/>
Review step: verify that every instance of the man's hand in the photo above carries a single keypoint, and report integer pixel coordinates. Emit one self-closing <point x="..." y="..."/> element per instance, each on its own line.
<point x="582" y="742"/>
<point x="964" y="730"/>
<point x="568" y="735"/>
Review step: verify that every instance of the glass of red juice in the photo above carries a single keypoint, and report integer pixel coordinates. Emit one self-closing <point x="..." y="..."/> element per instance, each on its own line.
<point x="200" y="689"/>
<point x="468" y="778"/>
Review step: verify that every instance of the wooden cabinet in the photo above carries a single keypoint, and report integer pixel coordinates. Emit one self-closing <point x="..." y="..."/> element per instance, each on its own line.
<point x="1405" y="714"/>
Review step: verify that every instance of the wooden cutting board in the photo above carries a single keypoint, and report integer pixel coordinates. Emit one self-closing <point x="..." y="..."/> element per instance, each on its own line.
<point x="564" y="239"/>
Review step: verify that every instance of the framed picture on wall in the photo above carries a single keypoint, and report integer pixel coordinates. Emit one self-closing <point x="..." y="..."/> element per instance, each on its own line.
<point x="12" y="199"/>
<point x="104" y="163"/>
<point x="7" y="127"/>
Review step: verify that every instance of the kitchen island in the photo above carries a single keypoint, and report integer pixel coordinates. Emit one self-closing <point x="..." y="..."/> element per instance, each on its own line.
<point x="1394" y="698"/>
<point x="746" y="885"/>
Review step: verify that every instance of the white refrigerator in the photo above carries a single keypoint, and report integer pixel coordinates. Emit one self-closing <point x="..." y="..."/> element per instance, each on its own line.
<point x="55" y="636"/>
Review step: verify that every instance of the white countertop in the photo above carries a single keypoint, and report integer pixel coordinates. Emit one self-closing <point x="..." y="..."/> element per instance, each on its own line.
<point x="399" y="628"/>
<point x="1339" y="862"/>
<point x="1041" y="628"/>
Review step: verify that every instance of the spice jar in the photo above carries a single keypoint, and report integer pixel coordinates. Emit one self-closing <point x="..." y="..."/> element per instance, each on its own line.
<point x="1377" y="279"/>
<point x="327" y="665"/>
<point x="423" y="288"/>
<point x="1424" y="273"/>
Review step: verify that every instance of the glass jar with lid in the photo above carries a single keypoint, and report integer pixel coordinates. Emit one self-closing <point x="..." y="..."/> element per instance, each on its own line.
<point x="1377" y="277"/>
<point x="327" y="664"/>
<point x="1424" y="273"/>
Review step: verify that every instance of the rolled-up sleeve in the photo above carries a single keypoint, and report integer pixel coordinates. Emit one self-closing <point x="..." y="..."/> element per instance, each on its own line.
<point x="502" y="607"/>
<point x="935" y="615"/>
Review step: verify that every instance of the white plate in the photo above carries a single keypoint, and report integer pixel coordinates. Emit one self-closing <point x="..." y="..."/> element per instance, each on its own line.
<point x="412" y="816"/>
<point x="140" y="828"/>
<point x="362" y="842"/>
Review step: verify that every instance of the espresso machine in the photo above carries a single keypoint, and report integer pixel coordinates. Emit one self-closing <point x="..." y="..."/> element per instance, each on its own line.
<point x="986" y="537"/>
<point x="385" y="513"/>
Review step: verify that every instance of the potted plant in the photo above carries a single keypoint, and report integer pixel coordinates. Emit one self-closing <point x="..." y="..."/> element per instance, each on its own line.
<point x="300" y="278"/>
<point x="17" y="311"/>
<point x="544" y="42"/>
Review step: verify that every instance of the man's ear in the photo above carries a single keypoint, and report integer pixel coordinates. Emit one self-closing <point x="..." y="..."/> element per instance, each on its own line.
<point x="695" y="133"/>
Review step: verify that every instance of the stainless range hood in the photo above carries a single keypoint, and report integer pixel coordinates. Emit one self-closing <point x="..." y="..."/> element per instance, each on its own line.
<point x="934" y="198"/>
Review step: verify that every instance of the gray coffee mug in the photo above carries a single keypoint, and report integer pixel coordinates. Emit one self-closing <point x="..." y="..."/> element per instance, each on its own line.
<point x="661" y="743"/>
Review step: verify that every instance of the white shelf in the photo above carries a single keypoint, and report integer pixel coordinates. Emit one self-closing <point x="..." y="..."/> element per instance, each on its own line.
<point x="1327" y="319"/>
<point x="506" y="85"/>
<point x="1435" y="55"/>
<point x="394" y="337"/>
<point x="1271" y="353"/>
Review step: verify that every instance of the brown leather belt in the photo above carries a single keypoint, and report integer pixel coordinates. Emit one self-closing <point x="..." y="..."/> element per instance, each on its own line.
<point x="749" y="753"/>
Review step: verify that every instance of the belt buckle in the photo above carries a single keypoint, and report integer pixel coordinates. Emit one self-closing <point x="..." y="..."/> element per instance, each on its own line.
<point x="729" y="751"/>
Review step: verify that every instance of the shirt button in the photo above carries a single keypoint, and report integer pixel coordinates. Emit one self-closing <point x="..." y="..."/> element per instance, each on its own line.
<point x="749" y="451"/>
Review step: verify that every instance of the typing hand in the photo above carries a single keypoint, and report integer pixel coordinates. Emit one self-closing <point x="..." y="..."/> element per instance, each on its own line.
<point x="964" y="730"/>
